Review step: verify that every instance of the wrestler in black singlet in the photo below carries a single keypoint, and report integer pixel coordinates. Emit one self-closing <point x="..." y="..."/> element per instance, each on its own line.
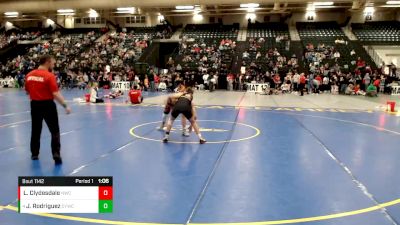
<point x="184" y="106"/>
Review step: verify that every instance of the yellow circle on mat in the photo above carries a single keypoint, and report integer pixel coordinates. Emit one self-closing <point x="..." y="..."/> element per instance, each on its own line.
<point x="256" y="133"/>
<point x="268" y="222"/>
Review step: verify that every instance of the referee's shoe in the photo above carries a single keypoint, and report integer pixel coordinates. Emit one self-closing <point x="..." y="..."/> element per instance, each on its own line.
<point x="57" y="159"/>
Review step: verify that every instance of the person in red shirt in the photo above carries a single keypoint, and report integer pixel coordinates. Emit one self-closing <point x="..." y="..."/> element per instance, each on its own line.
<point x="277" y="80"/>
<point x="377" y="84"/>
<point x="360" y="63"/>
<point x="135" y="95"/>
<point x="302" y="83"/>
<point x="41" y="85"/>
<point x="319" y="81"/>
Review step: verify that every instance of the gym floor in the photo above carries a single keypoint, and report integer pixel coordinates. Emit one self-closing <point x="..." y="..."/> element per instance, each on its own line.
<point x="317" y="159"/>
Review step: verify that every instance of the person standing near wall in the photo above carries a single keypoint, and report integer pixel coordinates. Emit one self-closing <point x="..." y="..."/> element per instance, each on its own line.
<point x="41" y="85"/>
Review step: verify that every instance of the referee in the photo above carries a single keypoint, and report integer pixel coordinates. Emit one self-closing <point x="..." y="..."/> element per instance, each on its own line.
<point x="41" y="85"/>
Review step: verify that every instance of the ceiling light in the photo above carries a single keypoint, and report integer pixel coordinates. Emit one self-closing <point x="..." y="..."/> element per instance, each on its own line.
<point x="393" y="2"/>
<point x="197" y="17"/>
<point x="197" y="9"/>
<point x="391" y="6"/>
<point x="249" y="5"/>
<point x="65" y="11"/>
<point x="369" y="10"/>
<point x="93" y="13"/>
<point x="310" y="14"/>
<point x="182" y="7"/>
<point x="251" y="16"/>
<point x="126" y="9"/>
<point x="49" y="22"/>
<point x="310" y="7"/>
<point x="322" y="3"/>
<point x="11" y="13"/>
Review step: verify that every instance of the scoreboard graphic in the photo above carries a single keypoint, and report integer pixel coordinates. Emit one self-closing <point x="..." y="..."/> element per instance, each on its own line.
<point x="65" y="194"/>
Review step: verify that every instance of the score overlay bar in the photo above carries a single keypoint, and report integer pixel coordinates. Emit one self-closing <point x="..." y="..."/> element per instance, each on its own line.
<point x="65" y="194"/>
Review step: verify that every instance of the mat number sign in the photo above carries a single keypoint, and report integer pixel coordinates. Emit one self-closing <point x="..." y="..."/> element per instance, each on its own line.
<point x="121" y="85"/>
<point x="257" y="87"/>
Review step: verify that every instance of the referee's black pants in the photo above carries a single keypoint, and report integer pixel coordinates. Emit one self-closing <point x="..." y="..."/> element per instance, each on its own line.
<point x="47" y="111"/>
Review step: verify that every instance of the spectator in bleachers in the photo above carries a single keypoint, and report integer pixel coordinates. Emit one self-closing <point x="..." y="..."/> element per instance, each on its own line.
<point x="245" y="55"/>
<point x="372" y="91"/>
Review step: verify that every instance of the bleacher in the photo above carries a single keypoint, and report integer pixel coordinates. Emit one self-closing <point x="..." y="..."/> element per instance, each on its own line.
<point x="267" y="30"/>
<point x="163" y="31"/>
<point x="224" y="58"/>
<point x="14" y="35"/>
<point x="376" y="33"/>
<point x="118" y="50"/>
<point x="211" y="31"/>
<point x="50" y="34"/>
<point x="328" y="33"/>
<point x="319" y="31"/>
<point x="64" y="46"/>
<point x="273" y="36"/>
<point x="210" y="35"/>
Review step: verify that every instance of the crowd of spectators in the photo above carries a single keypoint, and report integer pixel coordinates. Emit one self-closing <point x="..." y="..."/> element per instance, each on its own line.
<point x="261" y="64"/>
<point x="109" y="59"/>
<point x="81" y="60"/>
<point x="6" y="39"/>
<point x="65" y="48"/>
<point x="202" y="61"/>
<point x="327" y="74"/>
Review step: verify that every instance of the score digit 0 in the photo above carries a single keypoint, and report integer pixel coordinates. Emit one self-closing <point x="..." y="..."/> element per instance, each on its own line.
<point x="105" y="193"/>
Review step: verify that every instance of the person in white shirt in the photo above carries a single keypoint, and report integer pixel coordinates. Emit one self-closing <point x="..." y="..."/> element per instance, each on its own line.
<point x="325" y="83"/>
<point x="336" y="55"/>
<point x="162" y="86"/>
<point x="296" y="82"/>
<point x="94" y="94"/>
<point x="335" y="89"/>
<point x="85" y="78"/>
<point x="258" y="55"/>
<point x="11" y="82"/>
<point x="212" y="82"/>
<point x="285" y="88"/>
<point x="205" y="80"/>
<point x="245" y="55"/>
